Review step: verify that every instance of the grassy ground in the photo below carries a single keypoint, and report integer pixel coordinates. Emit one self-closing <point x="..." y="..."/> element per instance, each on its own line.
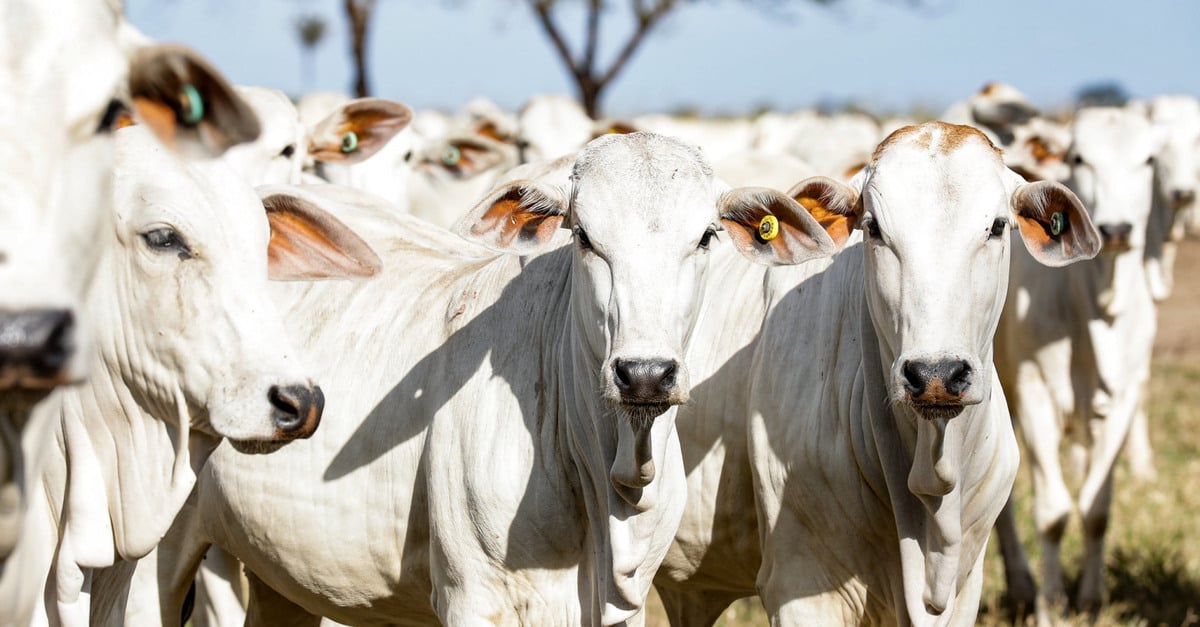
<point x="1153" y="557"/>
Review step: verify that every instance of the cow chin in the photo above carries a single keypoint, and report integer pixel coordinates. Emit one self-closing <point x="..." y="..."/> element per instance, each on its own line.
<point x="642" y="415"/>
<point x="257" y="447"/>
<point x="936" y="412"/>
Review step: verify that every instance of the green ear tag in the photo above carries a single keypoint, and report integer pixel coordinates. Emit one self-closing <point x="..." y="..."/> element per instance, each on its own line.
<point x="1058" y="223"/>
<point x="452" y="156"/>
<point x="191" y="104"/>
<point x="349" y="142"/>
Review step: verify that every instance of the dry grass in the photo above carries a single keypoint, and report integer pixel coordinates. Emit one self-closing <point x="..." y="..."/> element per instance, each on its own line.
<point x="1153" y="563"/>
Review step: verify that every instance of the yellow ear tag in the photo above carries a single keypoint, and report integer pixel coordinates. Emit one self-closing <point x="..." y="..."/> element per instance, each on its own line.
<point x="768" y="228"/>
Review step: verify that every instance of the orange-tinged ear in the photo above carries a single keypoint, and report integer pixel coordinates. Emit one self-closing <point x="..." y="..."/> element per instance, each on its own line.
<point x="834" y="205"/>
<point x="308" y="243"/>
<point x="770" y="228"/>
<point x="186" y="103"/>
<point x="358" y="129"/>
<point x="1055" y="227"/>
<point x="520" y="217"/>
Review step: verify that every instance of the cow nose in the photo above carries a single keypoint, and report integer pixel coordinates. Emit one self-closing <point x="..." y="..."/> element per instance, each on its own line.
<point x="35" y="347"/>
<point x="296" y="409"/>
<point x="1183" y="197"/>
<point x="645" y="380"/>
<point x="1115" y="233"/>
<point x="939" y="382"/>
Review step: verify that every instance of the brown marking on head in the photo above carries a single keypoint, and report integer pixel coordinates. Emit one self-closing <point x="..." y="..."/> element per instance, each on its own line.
<point x="948" y="138"/>
<point x="852" y="170"/>
<point x="488" y="129"/>
<point x="1041" y="151"/>
<point x="989" y="88"/>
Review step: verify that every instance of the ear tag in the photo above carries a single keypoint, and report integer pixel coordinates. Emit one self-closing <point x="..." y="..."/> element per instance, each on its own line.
<point x="1058" y="223"/>
<point x="349" y="142"/>
<point x="451" y="157"/>
<point x="768" y="228"/>
<point x="191" y="104"/>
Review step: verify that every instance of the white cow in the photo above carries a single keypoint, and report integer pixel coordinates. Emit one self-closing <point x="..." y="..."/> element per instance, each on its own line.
<point x="1073" y="351"/>
<point x="189" y="350"/>
<point x="501" y="457"/>
<point x="352" y="132"/>
<point x="1175" y="182"/>
<point x="66" y="81"/>
<point x="851" y="420"/>
<point x="996" y="109"/>
<point x="451" y="174"/>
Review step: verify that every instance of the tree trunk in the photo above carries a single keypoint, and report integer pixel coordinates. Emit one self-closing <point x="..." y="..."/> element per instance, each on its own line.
<point x="359" y="14"/>
<point x="589" y="95"/>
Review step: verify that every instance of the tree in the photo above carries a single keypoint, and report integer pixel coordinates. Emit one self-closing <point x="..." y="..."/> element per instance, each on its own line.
<point x="358" y="12"/>
<point x="591" y="79"/>
<point x="1102" y="94"/>
<point x="311" y="31"/>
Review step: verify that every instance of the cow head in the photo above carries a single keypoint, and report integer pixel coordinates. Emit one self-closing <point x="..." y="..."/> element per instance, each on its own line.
<point x="65" y="84"/>
<point x="937" y="209"/>
<point x="1175" y="164"/>
<point x="644" y="211"/>
<point x="184" y="315"/>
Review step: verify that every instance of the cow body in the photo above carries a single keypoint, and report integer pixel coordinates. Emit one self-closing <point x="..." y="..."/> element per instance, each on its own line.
<point x="873" y="501"/>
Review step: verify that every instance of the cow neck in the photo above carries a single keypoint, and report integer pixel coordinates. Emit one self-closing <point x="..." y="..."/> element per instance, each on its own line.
<point x="625" y="533"/>
<point x="131" y="461"/>
<point x="923" y="463"/>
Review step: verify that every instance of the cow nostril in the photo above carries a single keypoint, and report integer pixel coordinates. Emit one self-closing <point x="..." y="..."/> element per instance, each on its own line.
<point x="621" y="369"/>
<point x="1183" y="196"/>
<point x="57" y="348"/>
<point x="959" y="377"/>
<point x="35" y="346"/>
<point x="916" y="376"/>
<point x="296" y="408"/>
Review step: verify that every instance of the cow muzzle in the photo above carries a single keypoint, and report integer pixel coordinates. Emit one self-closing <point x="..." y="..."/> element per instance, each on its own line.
<point x="35" y="349"/>
<point x="1182" y="198"/>
<point x="1116" y="237"/>
<point x="648" y="384"/>
<point x="938" y="387"/>
<point x="296" y="410"/>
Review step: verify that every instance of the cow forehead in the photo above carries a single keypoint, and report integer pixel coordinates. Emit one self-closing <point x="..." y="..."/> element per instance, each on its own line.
<point x="203" y="196"/>
<point x="1112" y="135"/>
<point x="644" y="182"/>
<point x="936" y="177"/>
<point x="67" y="52"/>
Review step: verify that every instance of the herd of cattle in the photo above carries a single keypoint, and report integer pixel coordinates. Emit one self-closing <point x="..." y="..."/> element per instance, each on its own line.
<point x="386" y="367"/>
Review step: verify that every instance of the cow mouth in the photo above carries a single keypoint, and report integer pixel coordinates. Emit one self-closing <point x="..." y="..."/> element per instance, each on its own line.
<point x="257" y="447"/>
<point x="641" y="411"/>
<point x="937" y="411"/>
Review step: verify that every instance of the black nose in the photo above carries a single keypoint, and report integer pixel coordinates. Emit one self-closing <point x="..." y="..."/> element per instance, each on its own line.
<point x="1118" y="232"/>
<point x="35" y="347"/>
<point x="1183" y="197"/>
<point x="936" y="382"/>
<point x="645" y="381"/>
<point x="296" y="409"/>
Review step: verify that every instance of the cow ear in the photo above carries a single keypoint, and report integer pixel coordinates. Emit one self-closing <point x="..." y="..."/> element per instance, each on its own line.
<point x="186" y="103"/>
<point x="770" y="228"/>
<point x="307" y="242"/>
<point x="836" y="206"/>
<point x="519" y="217"/>
<point x="1055" y="227"/>
<point x="358" y="129"/>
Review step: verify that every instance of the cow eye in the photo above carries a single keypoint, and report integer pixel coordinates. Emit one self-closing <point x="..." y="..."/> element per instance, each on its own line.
<point x="872" y="228"/>
<point x="288" y="151"/>
<point x="167" y="240"/>
<point x="116" y="116"/>
<point x="708" y="237"/>
<point x="997" y="230"/>
<point x="1077" y="159"/>
<point x="582" y="238"/>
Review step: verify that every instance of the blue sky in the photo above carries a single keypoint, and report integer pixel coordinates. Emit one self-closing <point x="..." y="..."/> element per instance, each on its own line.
<point x="716" y="55"/>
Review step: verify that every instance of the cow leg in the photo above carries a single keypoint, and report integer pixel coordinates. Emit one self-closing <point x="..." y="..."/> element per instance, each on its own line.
<point x="1141" y="456"/>
<point x="1021" y="592"/>
<point x="266" y="607"/>
<point x="220" y="595"/>
<point x="1095" y="524"/>
<point x="690" y="609"/>
<point x="1052" y="501"/>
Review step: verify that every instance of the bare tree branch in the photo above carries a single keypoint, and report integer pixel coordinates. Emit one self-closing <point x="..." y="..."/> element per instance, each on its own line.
<point x="646" y="21"/>
<point x="542" y="8"/>
<point x="593" y="35"/>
